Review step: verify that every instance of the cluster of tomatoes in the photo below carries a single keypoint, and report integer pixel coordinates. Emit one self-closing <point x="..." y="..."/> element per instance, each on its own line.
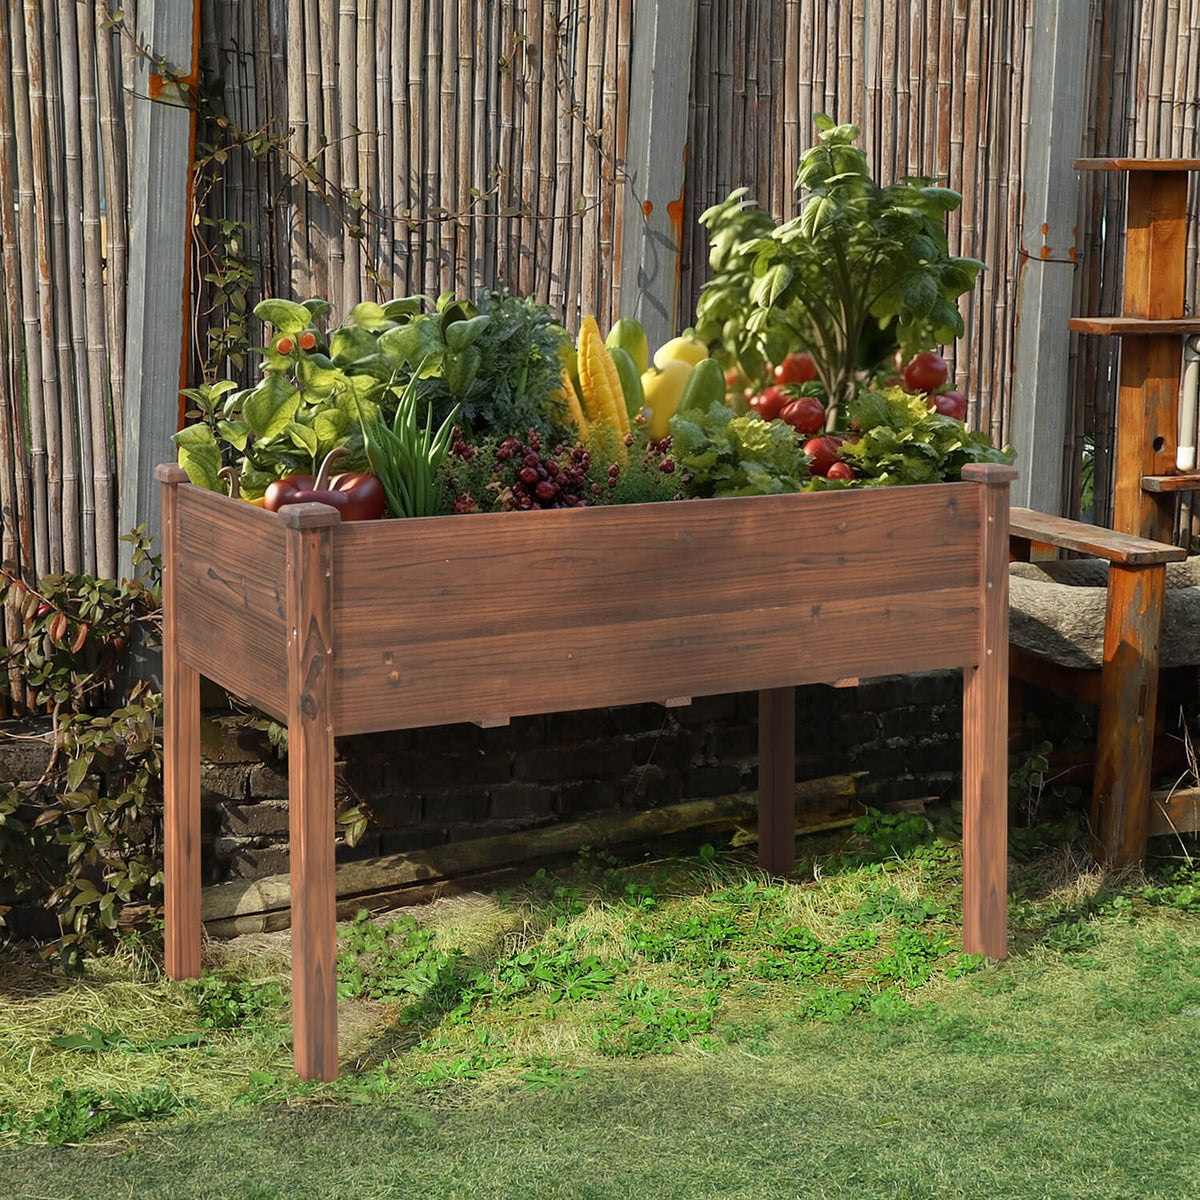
<point x="928" y="373"/>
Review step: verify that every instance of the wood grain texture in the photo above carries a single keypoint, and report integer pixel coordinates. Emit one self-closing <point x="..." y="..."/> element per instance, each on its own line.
<point x="1174" y="812"/>
<point x="181" y="759"/>
<point x="777" y="780"/>
<point x="310" y="799"/>
<point x="230" y="572"/>
<point x="715" y="596"/>
<point x="985" y="736"/>
<point x="1134" y="326"/>
<point x="1125" y="733"/>
<point x="1155" y="245"/>
<point x="1075" y="683"/>
<point x="1137" y="164"/>
<point x="1147" y="399"/>
<point x="1090" y="539"/>
<point x="1180" y="481"/>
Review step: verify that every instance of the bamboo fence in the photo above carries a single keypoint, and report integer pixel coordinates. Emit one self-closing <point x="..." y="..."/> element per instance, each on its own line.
<point x="383" y="147"/>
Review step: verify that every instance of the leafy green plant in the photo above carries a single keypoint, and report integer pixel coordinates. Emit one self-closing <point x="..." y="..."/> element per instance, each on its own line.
<point x="232" y="1004"/>
<point x="77" y="1114"/>
<point x="892" y="834"/>
<point x="718" y="453"/>
<point x="863" y="269"/>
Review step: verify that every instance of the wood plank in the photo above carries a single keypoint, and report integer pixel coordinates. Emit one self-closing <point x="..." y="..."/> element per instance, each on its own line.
<point x="1125" y="733"/>
<point x="1179" y="481"/>
<point x="1147" y="397"/>
<point x="310" y="788"/>
<point x="501" y="573"/>
<point x="1134" y="326"/>
<point x="181" y="756"/>
<point x="243" y="897"/>
<point x="1137" y="164"/>
<point x="1091" y="539"/>
<point x="1173" y="812"/>
<point x="230" y="571"/>
<point x="985" y="732"/>
<point x="777" y="780"/>
<point x="408" y="684"/>
<point x="1075" y="683"/>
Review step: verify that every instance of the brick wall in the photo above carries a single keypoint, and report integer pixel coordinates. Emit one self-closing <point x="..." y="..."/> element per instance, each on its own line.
<point x="428" y="786"/>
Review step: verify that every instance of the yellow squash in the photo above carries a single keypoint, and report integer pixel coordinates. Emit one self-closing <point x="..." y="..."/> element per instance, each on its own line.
<point x="599" y="383"/>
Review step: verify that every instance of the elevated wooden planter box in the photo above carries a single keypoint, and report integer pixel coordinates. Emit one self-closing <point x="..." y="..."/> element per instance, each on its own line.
<point x="347" y="628"/>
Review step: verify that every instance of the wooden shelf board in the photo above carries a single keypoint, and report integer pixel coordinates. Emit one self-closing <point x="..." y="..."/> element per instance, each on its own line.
<point x="1135" y="326"/>
<point x="1137" y="164"/>
<point x="1120" y="548"/>
<point x="1184" y="481"/>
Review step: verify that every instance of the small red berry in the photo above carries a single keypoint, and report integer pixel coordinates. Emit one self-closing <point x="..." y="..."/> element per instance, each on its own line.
<point x="284" y="345"/>
<point x="308" y="340"/>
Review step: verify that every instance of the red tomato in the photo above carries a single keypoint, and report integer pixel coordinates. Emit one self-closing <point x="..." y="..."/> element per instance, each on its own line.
<point x="824" y="454"/>
<point x="840" y="470"/>
<point x="950" y="404"/>
<point x="796" y="368"/>
<point x="770" y="402"/>
<point x="806" y="415"/>
<point x="926" y="373"/>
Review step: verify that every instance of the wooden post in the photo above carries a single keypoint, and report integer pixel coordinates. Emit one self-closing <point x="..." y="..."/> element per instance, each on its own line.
<point x="310" y="786"/>
<point x="777" y="780"/>
<point x="1128" y="702"/>
<point x="985" y="731"/>
<point x="1046" y="270"/>
<point x="159" y="227"/>
<point x="1155" y="265"/>
<point x="656" y="157"/>
<point x="181" y="759"/>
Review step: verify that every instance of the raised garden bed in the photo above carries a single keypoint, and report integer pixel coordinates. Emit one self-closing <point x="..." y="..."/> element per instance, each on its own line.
<point x="347" y="628"/>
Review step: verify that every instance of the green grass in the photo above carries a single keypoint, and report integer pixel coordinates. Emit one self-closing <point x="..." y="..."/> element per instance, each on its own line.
<point x="685" y="1029"/>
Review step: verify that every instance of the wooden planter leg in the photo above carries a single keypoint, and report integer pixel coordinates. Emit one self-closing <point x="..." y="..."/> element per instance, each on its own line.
<point x="985" y="733"/>
<point x="310" y="787"/>
<point x="181" y="761"/>
<point x="1128" y="699"/>
<point x="777" y="780"/>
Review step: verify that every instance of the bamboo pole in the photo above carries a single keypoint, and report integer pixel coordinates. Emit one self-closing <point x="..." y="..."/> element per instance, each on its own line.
<point x="369" y="137"/>
<point x="465" y="100"/>
<point x="44" y="388"/>
<point x="511" y="181"/>
<point x="417" y="149"/>
<point x="434" y="149"/>
<point x="608" y="194"/>
<point x="395" y="233"/>
<point x="624" y="24"/>
<point x="299" y="249"/>
<point x="330" y="160"/>
<point x="449" y="164"/>
<point x="777" y="203"/>
<point x="543" y="36"/>
<point x="97" y="467"/>
<point x="273" y="18"/>
<point x="888" y="35"/>
<point x="485" y="150"/>
<point x="116" y="249"/>
<point x="574" y="75"/>
<point x="797" y="98"/>
<point x="563" y="199"/>
<point x="347" y="125"/>
<point x="72" y="282"/>
<point x="593" y="75"/>
<point x="526" y="97"/>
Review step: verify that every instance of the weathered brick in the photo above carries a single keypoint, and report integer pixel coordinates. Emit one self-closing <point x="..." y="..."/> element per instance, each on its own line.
<point x="584" y="760"/>
<point x="635" y="718"/>
<point x="517" y="800"/>
<point x="670" y="750"/>
<point x="588" y="795"/>
<point x="255" y="863"/>
<point x="575" y="725"/>
<point x="450" y="739"/>
<point x="857" y="728"/>
<point x="22" y="761"/>
<point x="734" y="741"/>
<point x="447" y="770"/>
<point x="651" y="787"/>
<point x="250" y="820"/>
<point x="711" y="781"/>
<point x="268" y="781"/>
<point x="905" y="722"/>
<point x="405" y="841"/>
<point x="229" y="782"/>
<point x="450" y="807"/>
<point x="231" y="740"/>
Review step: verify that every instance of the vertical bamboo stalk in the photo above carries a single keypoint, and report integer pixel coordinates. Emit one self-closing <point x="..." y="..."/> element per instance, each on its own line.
<point x="116" y="193"/>
<point x="797" y="94"/>
<point x="369" y="136"/>
<point x="97" y="465"/>
<point x="589" y="247"/>
<point x="330" y="162"/>
<point x="450" y="165"/>
<point x="512" y="182"/>
<point x="888" y="117"/>
<point x="814" y="52"/>
<point x="299" y="250"/>
<point x="1172" y="45"/>
<point x="607" y="146"/>
<point x="576" y="76"/>
<point x="14" y="507"/>
<point x="903" y="86"/>
<point x="844" y="43"/>
<point x="858" y="103"/>
<point x="273" y="20"/>
<point x="317" y="272"/>
<point x="44" y="323"/>
<point x="347" y="123"/>
<point x="417" y="149"/>
<point x="397" y="168"/>
<point x="563" y="197"/>
<point x="434" y="150"/>
<point x="624" y="23"/>
<point x="484" y="178"/>
<point x="779" y="201"/>
<point x="466" y="158"/>
<point x="526" y="100"/>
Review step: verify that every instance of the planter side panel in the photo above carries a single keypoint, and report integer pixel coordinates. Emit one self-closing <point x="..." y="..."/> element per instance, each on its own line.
<point x="476" y="618"/>
<point x="231" y="571"/>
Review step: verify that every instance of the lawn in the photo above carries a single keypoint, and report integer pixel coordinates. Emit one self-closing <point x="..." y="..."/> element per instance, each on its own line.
<point x="683" y="1027"/>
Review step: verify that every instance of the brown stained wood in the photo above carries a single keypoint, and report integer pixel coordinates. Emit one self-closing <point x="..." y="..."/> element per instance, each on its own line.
<point x="245" y="897"/>
<point x="1183" y="481"/>
<point x="1147" y="398"/>
<point x="985" y="732"/>
<point x="1063" y="681"/>
<point x="1125" y="734"/>
<point x="777" y="780"/>
<point x="230" y="571"/>
<point x="632" y="562"/>
<point x="1173" y="812"/>
<point x="403" y="686"/>
<point x="1137" y="164"/>
<point x="181" y="758"/>
<point x="1134" y="326"/>
<point x="1091" y="539"/>
<point x="1155" y="245"/>
<point x="310" y="787"/>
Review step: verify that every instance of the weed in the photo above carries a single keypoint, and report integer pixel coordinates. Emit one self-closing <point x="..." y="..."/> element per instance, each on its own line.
<point x="555" y="1080"/>
<point x="833" y="1004"/>
<point x="651" y="1021"/>
<point x="76" y="1114"/>
<point x="1072" y="937"/>
<point x="97" y="1041"/>
<point x="560" y="973"/>
<point x="893" y="835"/>
<point x="231" y="1004"/>
<point x="887" y="905"/>
<point x="912" y="959"/>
